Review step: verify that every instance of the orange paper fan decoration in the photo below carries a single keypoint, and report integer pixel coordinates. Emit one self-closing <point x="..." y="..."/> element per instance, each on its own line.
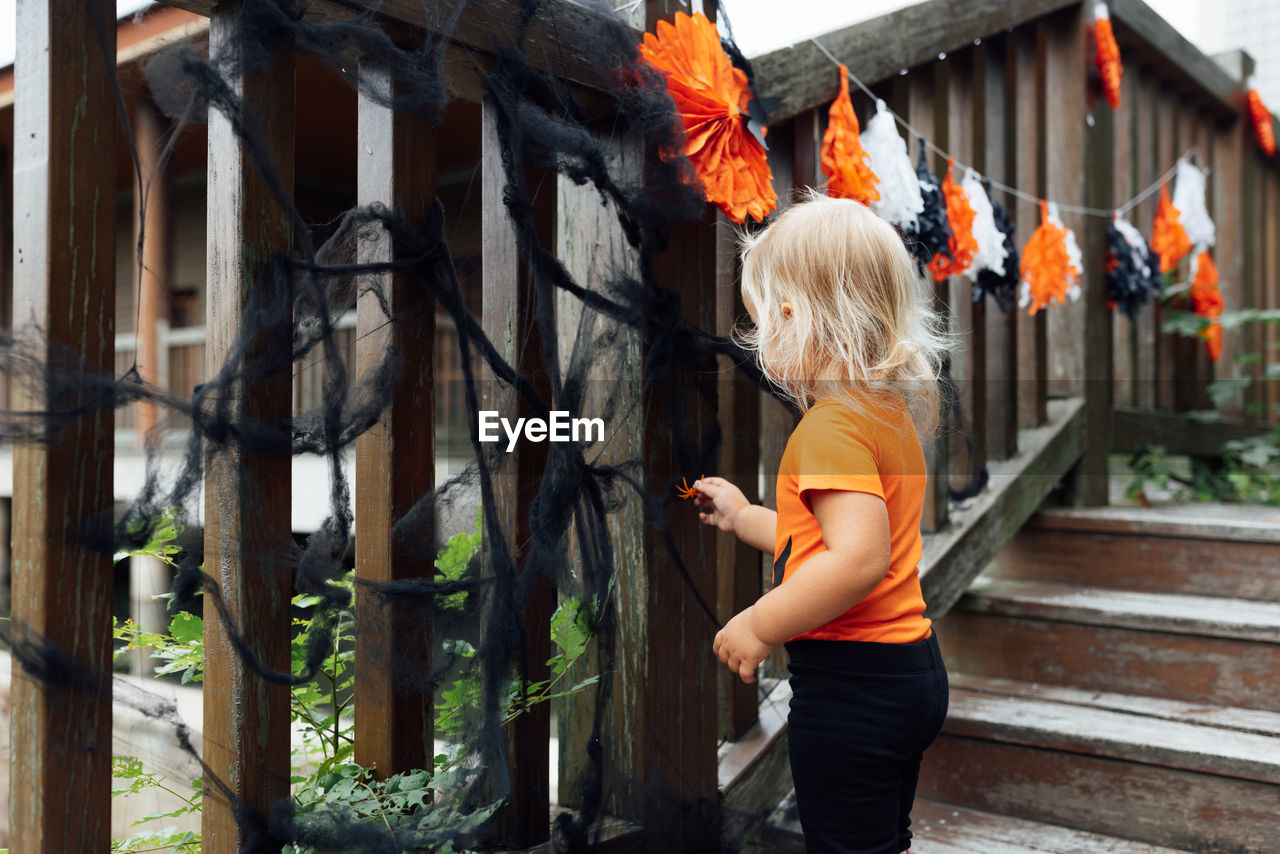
<point x="844" y="162"/>
<point x="1168" y="237"/>
<point x="712" y="97"/>
<point x="1208" y="302"/>
<point x="1106" y="55"/>
<point x="962" y="244"/>
<point x="1046" y="268"/>
<point x="1261" y="117"/>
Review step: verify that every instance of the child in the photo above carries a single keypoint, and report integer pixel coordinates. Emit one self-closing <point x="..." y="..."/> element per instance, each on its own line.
<point x="843" y="329"/>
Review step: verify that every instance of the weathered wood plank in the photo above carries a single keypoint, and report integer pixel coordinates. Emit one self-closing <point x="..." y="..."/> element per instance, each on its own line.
<point x="879" y="48"/>
<point x="1107" y="650"/>
<point x="1002" y="326"/>
<point x="1271" y="280"/>
<point x="510" y="302"/>
<point x="755" y="773"/>
<point x="64" y="290"/>
<point x="1027" y="114"/>
<point x="1131" y="429"/>
<point x="952" y="560"/>
<point x="1135" y="800"/>
<point x="247" y="498"/>
<point x="395" y="459"/>
<point x="1063" y="97"/>
<point x="927" y="113"/>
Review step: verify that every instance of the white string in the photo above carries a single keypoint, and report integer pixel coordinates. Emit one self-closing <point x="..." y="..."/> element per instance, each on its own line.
<point x="1193" y="151"/>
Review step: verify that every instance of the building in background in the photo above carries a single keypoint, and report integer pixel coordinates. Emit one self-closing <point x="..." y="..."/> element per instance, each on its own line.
<point x="1249" y="25"/>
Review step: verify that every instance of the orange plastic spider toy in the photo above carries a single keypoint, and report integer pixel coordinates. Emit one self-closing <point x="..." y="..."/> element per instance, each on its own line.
<point x="685" y="491"/>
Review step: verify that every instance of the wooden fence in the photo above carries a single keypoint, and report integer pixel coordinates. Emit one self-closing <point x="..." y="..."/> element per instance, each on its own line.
<point x="1000" y="85"/>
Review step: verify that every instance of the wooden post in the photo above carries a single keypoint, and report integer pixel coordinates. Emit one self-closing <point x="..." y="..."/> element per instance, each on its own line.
<point x="927" y="113"/>
<point x="64" y="289"/>
<point x="153" y="292"/>
<point x="1002" y="326"/>
<point x="1063" y="97"/>
<point x="1124" y="185"/>
<point x="1166" y="152"/>
<point x="510" y="299"/>
<point x="1027" y="56"/>
<point x="247" y="498"/>
<point x="395" y="459"/>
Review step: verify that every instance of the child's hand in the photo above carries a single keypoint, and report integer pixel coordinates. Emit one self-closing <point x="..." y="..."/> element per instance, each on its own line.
<point x="722" y="502"/>
<point x="738" y="646"/>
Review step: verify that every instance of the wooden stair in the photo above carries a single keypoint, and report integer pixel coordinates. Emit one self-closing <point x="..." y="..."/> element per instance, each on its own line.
<point x="1115" y="687"/>
<point x="1118" y="672"/>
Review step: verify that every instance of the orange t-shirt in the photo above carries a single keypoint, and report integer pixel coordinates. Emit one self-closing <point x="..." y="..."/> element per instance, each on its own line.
<point x="876" y="452"/>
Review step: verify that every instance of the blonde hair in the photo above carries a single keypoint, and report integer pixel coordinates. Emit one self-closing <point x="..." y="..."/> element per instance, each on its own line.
<point x="861" y="316"/>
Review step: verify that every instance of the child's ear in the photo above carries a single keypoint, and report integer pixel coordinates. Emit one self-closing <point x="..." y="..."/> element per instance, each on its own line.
<point x="786" y="310"/>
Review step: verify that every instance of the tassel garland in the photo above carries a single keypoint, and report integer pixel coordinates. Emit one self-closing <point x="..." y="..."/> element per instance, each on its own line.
<point x="899" y="200"/>
<point x="961" y="246"/>
<point x="844" y="162"/>
<point x="932" y="235"/>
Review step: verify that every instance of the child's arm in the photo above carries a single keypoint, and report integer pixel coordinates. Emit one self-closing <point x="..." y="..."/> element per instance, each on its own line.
<point x="723" y="505"/>
<point x="855" y="530"/>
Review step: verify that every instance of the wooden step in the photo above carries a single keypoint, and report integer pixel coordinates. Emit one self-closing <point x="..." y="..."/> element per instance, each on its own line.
<point x="1206" y="549"/>
<point x="1194" y="648"/>
<point x="939" y="828"/>
<point x="1137" y="767"/>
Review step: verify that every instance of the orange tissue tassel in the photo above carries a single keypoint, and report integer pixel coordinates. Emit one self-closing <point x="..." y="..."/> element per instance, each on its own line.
<point x="1208" y="302"/>
<point x="1168" y="237"/>
<point x="1106" y="55"/>
<point x="1261" y="117"/>
<point x="1046" y="268"/>
<point x="844" y="162"/>
<point x="960" y="217"/>
<point x="712" y="97"/>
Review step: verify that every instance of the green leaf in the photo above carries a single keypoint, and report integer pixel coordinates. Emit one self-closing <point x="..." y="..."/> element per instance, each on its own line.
<point x="187" y="628"/>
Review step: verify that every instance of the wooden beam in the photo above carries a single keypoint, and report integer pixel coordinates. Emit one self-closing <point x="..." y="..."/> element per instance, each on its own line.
<point x="64" y="290"/>
<point x="1135" y="19"/>
<point x="951" y="560"/>
<point x="879" y="48"/>
<point x="247" y="539"/>
<point x="1133" y="428"/>
<point x="395" y="459"/>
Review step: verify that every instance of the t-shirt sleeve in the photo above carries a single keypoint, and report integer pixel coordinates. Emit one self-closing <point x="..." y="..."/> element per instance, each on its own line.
<point x="837" y="450"/>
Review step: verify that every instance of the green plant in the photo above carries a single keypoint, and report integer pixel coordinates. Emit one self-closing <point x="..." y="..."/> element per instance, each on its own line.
<point x="327" y="783"/>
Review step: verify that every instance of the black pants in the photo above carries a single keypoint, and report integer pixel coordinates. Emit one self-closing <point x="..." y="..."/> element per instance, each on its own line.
<point x="862" y="714"/>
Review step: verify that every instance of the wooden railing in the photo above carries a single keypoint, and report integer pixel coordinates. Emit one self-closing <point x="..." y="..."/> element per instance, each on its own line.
<point x="1035" y="393"/>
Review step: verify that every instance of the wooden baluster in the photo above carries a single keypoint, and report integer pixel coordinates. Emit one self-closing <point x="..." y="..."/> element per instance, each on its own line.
<point x="153" y="294"/>
<point x="966" y="138"/>
<point x="247" y="539"/>
<point x="64" y="290"/>
<point x="1146" y="168"/>
<point x="738" y="568"/>
<point x="927" y="113"/>
<point x="1090" y="484"/>
<point x="395" y="459"/>
<point x="1271" y="241"/>
<point x="994" y="112"/>
<point x="1229" y="141"/>
<point x="1185" y="348"/>
<point x="509" y="303"/>
<point x="1064" y="127"/>
<point x="1125" y="184"/>
<point x="1166" y="152"/>
<point x="1027" y="57"/>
